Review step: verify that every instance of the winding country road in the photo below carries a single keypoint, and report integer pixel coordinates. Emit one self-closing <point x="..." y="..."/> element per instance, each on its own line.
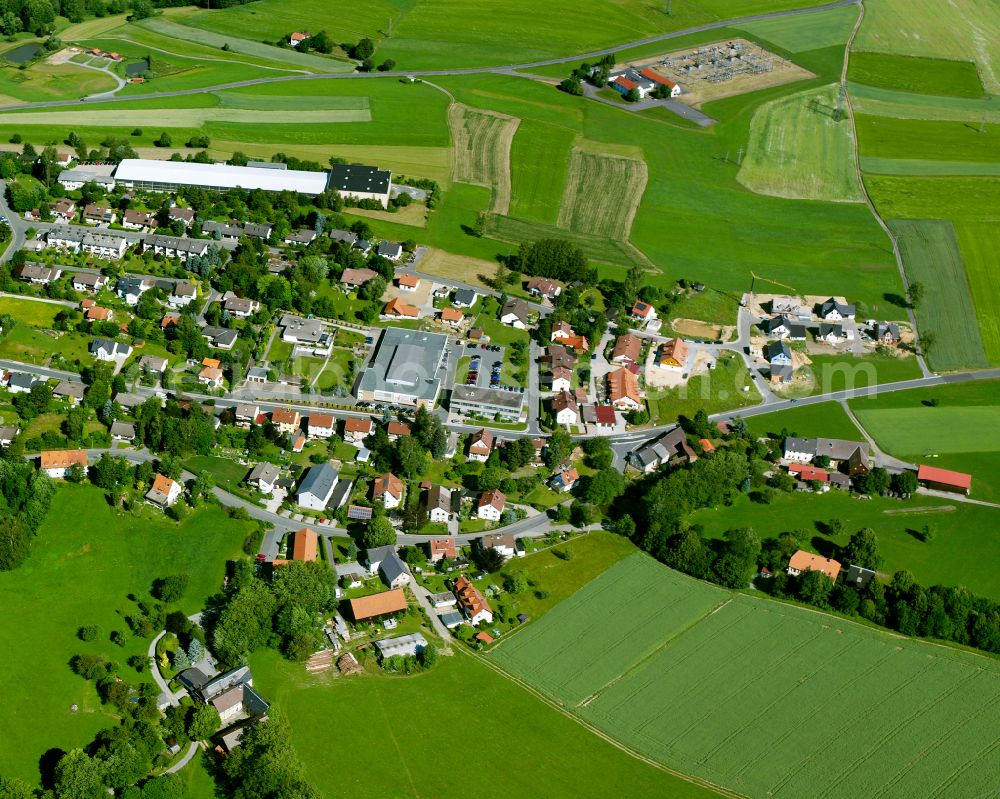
<point x="418" y="73"/>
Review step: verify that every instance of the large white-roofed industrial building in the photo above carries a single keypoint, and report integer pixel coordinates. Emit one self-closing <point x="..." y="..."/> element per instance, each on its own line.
<point x="405" y="368"/>
<point x="153" y="175"/>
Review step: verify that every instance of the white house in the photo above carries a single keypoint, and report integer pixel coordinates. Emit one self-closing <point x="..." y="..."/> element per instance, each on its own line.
<point x="183" y="294"/>
<point x="229" y="704"/>
<point x="833" y="311"/>
<point x="565" y="408"/>
<point x="491" y="505"/>
<point x="84" y="281"/>
<point x="164" y="492"/>
<point x="480" y="445"/>
<point x="504" y="544"/>
<point x="561" y="377"/>
<point x="238" y="306"/>
<point x="263" y="477"/>
<point x="57" y="463"/>
<point x="105" y="350"/>
<point x="800" y="450"/>
<point x="317" y="487"/>
<point x="320" y="425"/>
<point x="438" y="504"/>
<point x="388" y="490"/>
<point x="515" y="313"/>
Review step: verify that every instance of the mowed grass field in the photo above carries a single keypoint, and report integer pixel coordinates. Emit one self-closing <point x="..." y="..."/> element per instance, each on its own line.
<point x="966" y="30"/>
<point x="960" y="433"/>
<point x="706" y="696"/>
<point x="960" y="199"/>
<point x="918" y="75"/>
<point x="184" y="117"/>
<point x="805" y="32"/>
<point x="398" y="728"/>
<point x="906" y="105"/>
<point x="979" y="244"/>
<point x="85" y="562"/>
<point x="820" y="420"/>
<point x="539" y="157"/>
<point x="931" y="256"/>
<point x="481" y="147"/>
<point x="797" y="149"/>
<point x="602" y="194"/>
<point x="941" y="140"/>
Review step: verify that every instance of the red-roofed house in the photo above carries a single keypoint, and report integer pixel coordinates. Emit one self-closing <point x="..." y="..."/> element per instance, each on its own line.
<point x="656" y="77"/>
<point x="604" y="416"/>
<point x="643" y="310"/>
<point x="808" y="473"/>
<point x="944" y="479"/>
<point x="472" y="602"/>
<point x="706" y="445"/>
<point x="803" y="561"/>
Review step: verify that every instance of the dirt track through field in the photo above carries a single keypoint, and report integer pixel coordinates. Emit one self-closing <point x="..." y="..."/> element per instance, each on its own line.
<point x="481" y="144"/>
<point x="602" y="194"/>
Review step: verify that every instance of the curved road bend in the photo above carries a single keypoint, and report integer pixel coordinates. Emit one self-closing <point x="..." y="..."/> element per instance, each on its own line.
<point x="723" y="23"/>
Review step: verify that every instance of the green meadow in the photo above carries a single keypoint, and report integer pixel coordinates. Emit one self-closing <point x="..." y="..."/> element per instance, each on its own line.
<point x="686" y="673"/>
<point x="85" y="562"/>
<point x="932" y="257"/>
<point x="918" y="75"/>
<point x="927" y="139"/>
<point x="952" y="426"/>
<point x="979" y="244"/>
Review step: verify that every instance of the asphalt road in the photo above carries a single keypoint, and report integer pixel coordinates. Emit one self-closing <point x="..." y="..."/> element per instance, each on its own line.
<point x="726" y="23"/>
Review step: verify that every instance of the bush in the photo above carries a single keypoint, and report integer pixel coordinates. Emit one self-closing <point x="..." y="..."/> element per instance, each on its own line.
<point x="88" y="633"/>
<point x="171" y="588"/>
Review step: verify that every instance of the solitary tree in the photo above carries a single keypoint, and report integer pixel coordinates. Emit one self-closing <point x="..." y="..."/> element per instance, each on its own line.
<point x="379" y="533"/>
<point x="203" y="723"/>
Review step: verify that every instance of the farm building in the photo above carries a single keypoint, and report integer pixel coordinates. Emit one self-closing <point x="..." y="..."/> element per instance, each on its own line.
<point x="944" y="480"/>
<point x="169" y="176"/>
<point x="405" y="645"/>
<point x="377" y="605"/>
<point x="361" y="182"/>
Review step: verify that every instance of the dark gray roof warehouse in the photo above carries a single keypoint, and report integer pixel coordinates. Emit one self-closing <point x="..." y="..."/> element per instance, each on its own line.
<point x="356" y="177"/>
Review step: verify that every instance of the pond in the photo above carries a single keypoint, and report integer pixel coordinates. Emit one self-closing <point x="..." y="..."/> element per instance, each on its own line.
<point x="136" y="68"/>
<point x="23" y="54"/>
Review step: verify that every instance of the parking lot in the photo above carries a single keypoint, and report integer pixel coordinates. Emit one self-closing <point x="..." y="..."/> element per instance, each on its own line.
<point x="484" y="367"/>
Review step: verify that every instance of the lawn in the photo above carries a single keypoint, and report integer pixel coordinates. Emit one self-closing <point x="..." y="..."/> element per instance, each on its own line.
<point x="917" y="75"/>
<point x="841" y="372"/>
<point x="933" y="139"/>
<point x="640" y="654"/>
<point x="931" y="256"/>
<point x="87" y="559"/>
<point x="30" y="344"/>
<point x="389" y="734"/>
<point x="979" y="244"/>
<point x="41" y="82"/>
<point x="227" y="474"/>
<point x="30" y="312"/>
<point x="798" y="149"/>
<point x="907" y="425"/>
<point x="820" y="420"/>
<point x="489" y="322"/>
<point x="720" y="389"/>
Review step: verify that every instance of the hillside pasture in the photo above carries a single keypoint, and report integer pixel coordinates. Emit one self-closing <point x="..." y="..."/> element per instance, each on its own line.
<point x="961" y="31"/>
<point x="796" y="149"/>
<point x="602" y="194"/>
<point x="806" y="31"/>
<point x="440" y="34"/>
<point x="979" y="244"/>
<point x="697" y="699"/>
<point x="183" y="117"/>
<point x="481" y="144"/>
<point x="940" y="140"/>
<point x="918" y="75"/>
<point x="237" y="44"/>
<point x="86" y="561"/>
<point x="931" y="256"/>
